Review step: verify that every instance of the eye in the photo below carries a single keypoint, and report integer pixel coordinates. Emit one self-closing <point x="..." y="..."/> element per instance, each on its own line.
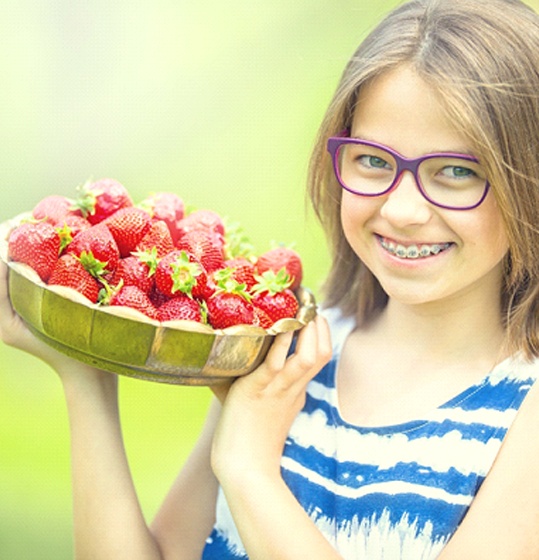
<point x="457" y="172"/>
<point x="373" y="162"/>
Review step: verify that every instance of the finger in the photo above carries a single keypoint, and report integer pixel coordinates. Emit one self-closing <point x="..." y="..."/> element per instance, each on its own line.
<point x="310" y="336"/>
<point x="313" y="351"/>
<point x="272" y="365"/>
<point x="8" y="318"/>
<point x="13" y="331"/>
<point x="289" y="368"/>
<point x="4" y="298"/>
<point x="278" y="352"/>
<point x="325" y="347"/>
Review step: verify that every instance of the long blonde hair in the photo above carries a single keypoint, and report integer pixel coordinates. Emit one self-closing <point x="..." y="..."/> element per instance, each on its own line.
<point x="483" y="60"/>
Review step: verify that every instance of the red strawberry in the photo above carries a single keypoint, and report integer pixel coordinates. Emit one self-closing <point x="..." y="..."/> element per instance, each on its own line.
<point x="230" y="305"/>
<point x="136" y="270"/>
<point x="134" y="297"/>
<point x="273" y="295"/>
<point x="243" y="271"/>
<point x="180" y="272"/>
<point x="262" y="319"/>
<point x="181" y="307"/>
<point x="282" y="257"/>
<point x="202" y="219"/>
<point x="75" y="224"/>
<point x="55" y="208"/>
<point x="157" y="297"/>
<point x="98" y="242"/>
<point x="69" y="228"/>
<point x="101" y="199"/>
<point x="158" y="236"/>
<point x="70" y="272"/>
<point x="37" y="245"/>
<point x="128" y="226"/>
<point x="209" y="289"/>
<point x="206" y="246"/>
<point x="168" y="207"/>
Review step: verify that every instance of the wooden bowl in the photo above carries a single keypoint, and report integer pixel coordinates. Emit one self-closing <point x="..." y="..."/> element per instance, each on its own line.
<point x="123" y="341"/>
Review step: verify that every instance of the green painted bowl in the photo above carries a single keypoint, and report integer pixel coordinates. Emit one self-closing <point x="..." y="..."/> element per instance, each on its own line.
<point x="123" y="341"/>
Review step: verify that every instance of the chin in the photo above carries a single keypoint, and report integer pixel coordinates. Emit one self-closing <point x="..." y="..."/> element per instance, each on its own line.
<point x="419" y="295"/>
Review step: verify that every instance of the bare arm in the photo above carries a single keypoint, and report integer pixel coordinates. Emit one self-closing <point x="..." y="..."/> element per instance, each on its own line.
<point x="257" y="414"/>
<point x="108" y="520"/>
<point x="187" y="515"/>
<point x="503" y="521"/>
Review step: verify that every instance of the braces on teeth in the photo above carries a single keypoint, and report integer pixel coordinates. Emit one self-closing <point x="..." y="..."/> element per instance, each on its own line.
<point x="413" y="251"/>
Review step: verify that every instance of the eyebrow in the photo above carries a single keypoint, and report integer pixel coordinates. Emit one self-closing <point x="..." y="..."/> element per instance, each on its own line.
<point x="464" y="152"/>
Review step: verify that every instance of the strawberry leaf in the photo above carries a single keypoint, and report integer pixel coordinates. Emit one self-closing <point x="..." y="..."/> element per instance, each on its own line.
<point x="65" y="236"/>
<point x="184" y="274"/>
<point x="237" y="243"/>
<point x="272" y="282"/>
<point x="86" y="200"/>
<point x="149" y="257"/>
<point x="229" y="285"/>
<point x="95" y="267"/>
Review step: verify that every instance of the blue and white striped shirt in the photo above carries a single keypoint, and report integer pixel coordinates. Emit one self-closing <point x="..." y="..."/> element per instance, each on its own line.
<point x="394" y="492"/>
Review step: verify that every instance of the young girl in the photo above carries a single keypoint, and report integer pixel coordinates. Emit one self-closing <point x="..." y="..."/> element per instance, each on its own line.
<point x="412" y="434"/>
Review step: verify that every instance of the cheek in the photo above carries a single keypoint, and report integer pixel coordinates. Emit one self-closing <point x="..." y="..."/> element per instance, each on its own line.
<point x="486" y="232"/>
<point x="356" y="217"/>
<point x="355" y="213"/>
<point x="493" y="231"/>
<point x="501" y="242"/>
<point x="351" y="223"/>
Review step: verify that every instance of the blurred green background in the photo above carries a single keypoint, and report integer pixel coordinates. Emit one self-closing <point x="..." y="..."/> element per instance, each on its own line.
<point x="217" y="101"/>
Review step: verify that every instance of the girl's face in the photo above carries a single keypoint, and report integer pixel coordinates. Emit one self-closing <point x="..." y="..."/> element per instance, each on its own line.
<point x="461" y="251"/>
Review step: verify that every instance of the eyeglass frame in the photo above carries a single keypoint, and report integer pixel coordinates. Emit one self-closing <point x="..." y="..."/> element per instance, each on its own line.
<point x="403" y="164"/>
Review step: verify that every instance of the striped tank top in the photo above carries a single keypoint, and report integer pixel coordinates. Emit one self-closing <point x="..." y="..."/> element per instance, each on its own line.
<point x="394" y="492"/>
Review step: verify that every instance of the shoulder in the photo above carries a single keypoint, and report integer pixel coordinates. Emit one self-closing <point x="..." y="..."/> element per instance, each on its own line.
<point x="503" y="519"/>
<point x="515" y="369"/>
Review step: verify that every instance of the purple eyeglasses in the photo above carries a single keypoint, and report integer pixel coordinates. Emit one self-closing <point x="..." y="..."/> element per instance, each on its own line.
<point x="447" y="180"/>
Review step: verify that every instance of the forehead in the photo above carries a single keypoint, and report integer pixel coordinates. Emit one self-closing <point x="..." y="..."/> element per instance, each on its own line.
<point x="401" y="110"/>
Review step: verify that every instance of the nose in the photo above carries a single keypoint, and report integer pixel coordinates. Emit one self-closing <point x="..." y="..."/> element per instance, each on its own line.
<point x="404" y="205"/>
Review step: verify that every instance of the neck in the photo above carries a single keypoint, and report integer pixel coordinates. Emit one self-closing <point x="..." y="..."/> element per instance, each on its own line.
<point x="466" y="329"/>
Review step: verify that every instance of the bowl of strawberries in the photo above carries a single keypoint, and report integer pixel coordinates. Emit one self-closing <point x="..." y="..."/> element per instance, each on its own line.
<point x="148" y="290"/>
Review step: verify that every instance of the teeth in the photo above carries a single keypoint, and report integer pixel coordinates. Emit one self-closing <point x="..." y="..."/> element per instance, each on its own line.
<point x="425" y="251"/>
<point x="413" y="251"/>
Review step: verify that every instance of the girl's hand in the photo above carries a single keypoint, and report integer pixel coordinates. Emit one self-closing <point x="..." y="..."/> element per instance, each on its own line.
<point x="260" y="407"/>
<point x="15" y="333"/>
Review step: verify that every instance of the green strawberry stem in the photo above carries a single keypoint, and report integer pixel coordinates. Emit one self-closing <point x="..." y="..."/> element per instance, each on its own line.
<point x="237" y="244"/>
<point x="282" y="245"/>
<point x="107" y="292"/>
<point x="150" y="258"/>
<point x="227" y="284"/>
<point x="184" y="274"/>
<point x="65" y="236"/>
<point x="86" y="200"/>
<point x="272" y="282"/>
<point x="95" y="267"/>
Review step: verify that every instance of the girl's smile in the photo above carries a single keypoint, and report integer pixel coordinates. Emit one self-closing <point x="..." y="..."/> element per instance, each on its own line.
<point x="418" y="250"/>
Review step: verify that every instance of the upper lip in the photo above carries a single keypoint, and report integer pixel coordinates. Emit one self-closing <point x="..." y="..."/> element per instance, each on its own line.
<point x="409" y="242"/>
